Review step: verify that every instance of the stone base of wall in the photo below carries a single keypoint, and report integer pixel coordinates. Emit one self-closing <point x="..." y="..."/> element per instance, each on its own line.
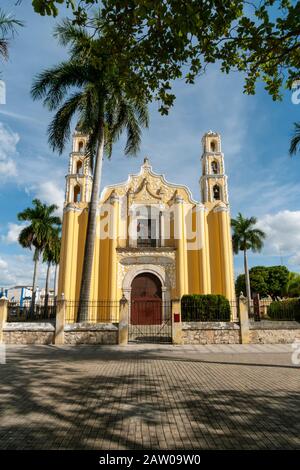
<point x="210" y="333"/>
<point x="100" y="333"/>
<point x="264" y="332"/>
<point x="28" y="333"/>
<point x="274" y="332"/>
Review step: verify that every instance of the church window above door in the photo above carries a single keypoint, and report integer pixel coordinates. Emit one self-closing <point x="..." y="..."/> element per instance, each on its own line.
<point x="146" y="228"/>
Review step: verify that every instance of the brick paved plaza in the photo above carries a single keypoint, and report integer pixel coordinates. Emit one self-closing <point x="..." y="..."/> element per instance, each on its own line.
<point x="151" y="397"/>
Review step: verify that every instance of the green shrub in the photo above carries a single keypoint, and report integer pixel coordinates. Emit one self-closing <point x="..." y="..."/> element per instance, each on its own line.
<point x="210" y="307"/>
<point x="285" y="310"/>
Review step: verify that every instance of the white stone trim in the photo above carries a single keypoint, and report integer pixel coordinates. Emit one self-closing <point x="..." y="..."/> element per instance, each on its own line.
<point x="158" y="271"/>
<point x="152" y="173"/>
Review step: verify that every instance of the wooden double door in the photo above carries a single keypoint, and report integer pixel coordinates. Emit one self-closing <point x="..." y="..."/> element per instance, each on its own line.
<point x="146" y="300"/>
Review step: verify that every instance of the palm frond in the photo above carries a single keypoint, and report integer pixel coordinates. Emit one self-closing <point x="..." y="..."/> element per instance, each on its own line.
<point x="4" y="48"/>
<point x="74" y="36"/>
<point x="53" y="84"/>
<point x="245" y="234"/>
<point x="8" y="28"/>
<point x="59" y="129"/>
<point x="26" y="237"/>
<point x="295" y="142"/>
<point x="8" y="24"/>
<point x="133" y="137"/>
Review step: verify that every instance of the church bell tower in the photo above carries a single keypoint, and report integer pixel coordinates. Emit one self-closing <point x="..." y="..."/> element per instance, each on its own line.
<point x="213" y="182"/>
<point x="79" y="178"/>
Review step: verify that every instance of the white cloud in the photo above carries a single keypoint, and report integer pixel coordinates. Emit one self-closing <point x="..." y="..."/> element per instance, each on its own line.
<point x="22" y="117"/>
<point x="283" y="234"/>
<point x="39" y="175"/>
<point x="13" y="233"/>
<point x="295" y="260"/>
<point x="18" y="270"/>
<point x="8" y="150"/>
<point x="50" y="193"/>
<point x="3" y="264"/>
<point x="8" y="168"/>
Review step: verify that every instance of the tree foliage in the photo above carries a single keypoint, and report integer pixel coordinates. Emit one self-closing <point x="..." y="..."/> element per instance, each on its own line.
<point x="91" y="91"/>
<point x="169" y="39"/>
<point x="265" y="280"/>
<point x="8" y="27"/>
<point x="42" y="221"/>
<point x="292" y="288"/>
<point x="38" y="234"/>
<point x="245" y="235"/>
<point x="94" y="92"/>
<point x="52" y="247"/>
<point x="295" y="141"/>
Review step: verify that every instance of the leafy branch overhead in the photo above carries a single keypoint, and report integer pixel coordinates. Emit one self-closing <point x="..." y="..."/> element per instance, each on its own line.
<point x="163" y="40"/>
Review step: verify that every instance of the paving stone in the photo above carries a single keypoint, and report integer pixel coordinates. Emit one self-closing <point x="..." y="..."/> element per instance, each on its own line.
<point x="150" y="396"/>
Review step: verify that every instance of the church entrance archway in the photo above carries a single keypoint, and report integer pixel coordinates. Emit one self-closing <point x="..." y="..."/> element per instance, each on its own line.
<point x="146" y="300"/>
<point x="150" y="316"/>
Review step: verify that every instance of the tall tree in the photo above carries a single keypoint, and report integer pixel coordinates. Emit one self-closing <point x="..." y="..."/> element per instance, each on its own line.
<point x="295" y="141"/>
<point x="51" y="256"/>
<point x="8" y="26"/>
<point x="35" y="236"/>
<point x="103" y="111"/>
<point x="265" y="280"/>
<point x="246" y="237"/>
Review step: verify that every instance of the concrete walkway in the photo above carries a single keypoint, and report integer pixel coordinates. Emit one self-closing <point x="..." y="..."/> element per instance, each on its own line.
<point x="150" y="397"/>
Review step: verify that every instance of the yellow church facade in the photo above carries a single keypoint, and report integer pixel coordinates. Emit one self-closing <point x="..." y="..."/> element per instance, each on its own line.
<point x="153" y="239"/>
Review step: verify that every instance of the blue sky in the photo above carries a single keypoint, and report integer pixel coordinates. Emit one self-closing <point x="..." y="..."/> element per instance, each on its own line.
<point x="263" y="179"/>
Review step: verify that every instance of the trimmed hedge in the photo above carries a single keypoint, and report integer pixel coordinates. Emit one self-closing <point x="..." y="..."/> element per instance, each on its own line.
<point x="210" y="307"/>
<point x="285" y="310"/>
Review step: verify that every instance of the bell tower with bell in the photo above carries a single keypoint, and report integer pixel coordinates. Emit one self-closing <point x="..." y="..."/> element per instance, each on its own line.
<point x="79" y="178"/>
<point x="213" y="182"/>
<point x="214" y="196"/>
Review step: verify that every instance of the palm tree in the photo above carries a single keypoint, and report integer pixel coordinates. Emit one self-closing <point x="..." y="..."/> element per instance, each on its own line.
<point x="292" y="288"/>
<point x="36" y="235"/>
<point x="8" y="26"/>
<point x="295" y="142"/>
<point x="246" y="237"/>
<point x="51" y="255"/>
<point x="103" y="112"/>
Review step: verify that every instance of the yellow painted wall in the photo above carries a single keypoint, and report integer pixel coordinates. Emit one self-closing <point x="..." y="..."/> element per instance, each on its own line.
<point x="207" y="269"/>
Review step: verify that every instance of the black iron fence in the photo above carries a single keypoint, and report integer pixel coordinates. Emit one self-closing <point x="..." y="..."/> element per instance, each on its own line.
<point x="208" y="309"/>
<point x="27" y="312"/>
<point x="285" y="310"/>
<point x="100" y="311"/>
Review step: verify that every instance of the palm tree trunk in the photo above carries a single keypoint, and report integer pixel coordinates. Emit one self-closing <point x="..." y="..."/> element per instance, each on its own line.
<point x="91" y="231"/>
<point x="47" y="289"/>
<point x="36" y="257"/>
<point x="247" y="279"/>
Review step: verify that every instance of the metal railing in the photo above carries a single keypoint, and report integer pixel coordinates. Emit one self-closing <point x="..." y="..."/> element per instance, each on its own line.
<point x="98" y="311"/>
<point x="284" y="310"/>
<point x="26" y="312"/>
<point x="150" y="321"/>
<point x="195" y="311"/>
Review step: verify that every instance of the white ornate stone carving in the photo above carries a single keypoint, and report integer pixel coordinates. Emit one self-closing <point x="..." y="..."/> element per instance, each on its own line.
<point x="163" y="262"/>
<point x="149" y="187"/>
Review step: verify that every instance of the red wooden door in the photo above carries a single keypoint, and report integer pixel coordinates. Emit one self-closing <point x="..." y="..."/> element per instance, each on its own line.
<point x="146" y="303"/>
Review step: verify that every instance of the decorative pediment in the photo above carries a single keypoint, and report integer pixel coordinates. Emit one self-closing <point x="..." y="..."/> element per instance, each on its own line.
<point x="149" y="187"/>
<point x="144" y="193"/>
